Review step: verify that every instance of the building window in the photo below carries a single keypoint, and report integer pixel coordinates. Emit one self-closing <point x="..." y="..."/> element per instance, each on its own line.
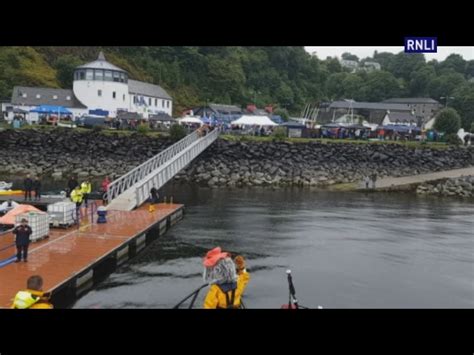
<point x="123" y="97"/>
<point x="55" y="97"/>
<point x="99" y="93"/>
<point x="116" y="76"/>
<point x="99" y="74"/>
<point x="167" y="104"/>
<point x="163" y="103"/>
<point x="89" y="74"/>
<point x="82" y="75"/>
<point x="149" y="101"/>
<point x="122" y="77"/>
<point x="113" y="94"/>
<point x="156" y="102"/>
<point x="68" y="98"/>
<point x="108" y="75"/>
<point x="38" y="96"/>
<point x="24" y="94"/>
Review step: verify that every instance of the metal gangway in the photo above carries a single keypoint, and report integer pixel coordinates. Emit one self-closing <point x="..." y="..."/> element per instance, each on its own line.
<point x="133" y="189"/>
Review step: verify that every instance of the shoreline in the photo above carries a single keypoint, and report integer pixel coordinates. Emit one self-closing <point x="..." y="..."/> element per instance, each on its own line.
<point x="335" y="166"/>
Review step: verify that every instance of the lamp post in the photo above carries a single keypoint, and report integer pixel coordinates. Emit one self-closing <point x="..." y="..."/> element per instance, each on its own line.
<point x="447" y="98"/>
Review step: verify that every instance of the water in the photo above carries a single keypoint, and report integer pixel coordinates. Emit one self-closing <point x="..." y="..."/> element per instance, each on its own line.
<point x="346" y="250"/>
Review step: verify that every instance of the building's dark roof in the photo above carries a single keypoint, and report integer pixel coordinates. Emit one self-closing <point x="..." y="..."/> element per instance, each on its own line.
<point x="225" y="108"/>
<point x="370" y="106"/>
<point x="142" y="88"/>
<point x="100" y="63"/>
<point x="162" y="116"/>
<point x="401" y="117"/>
<point x="129" y="116"/>
<point x="412" y="100"/>
<point x="46" y="97"/>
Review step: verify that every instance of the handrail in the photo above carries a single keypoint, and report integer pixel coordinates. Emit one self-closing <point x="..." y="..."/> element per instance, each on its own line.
<point x="170" y="168"/>
<point x="126" y="181"/>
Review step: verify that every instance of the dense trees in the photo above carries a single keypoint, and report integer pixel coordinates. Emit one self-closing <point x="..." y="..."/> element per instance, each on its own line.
<point x="448" y="121"/>
<point x="287" y="77"/>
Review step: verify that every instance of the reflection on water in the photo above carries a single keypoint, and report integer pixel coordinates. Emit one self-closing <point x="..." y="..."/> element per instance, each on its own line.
<point x="346" y="250"/>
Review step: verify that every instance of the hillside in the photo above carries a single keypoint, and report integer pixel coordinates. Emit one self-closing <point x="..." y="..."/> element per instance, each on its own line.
<point x="287" y="77"/>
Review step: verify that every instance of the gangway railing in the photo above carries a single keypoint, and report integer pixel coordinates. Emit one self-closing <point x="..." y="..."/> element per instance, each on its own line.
<point x="168" y="170"/>
<point x="133" y="188"/>
<point x="126" y="181"/>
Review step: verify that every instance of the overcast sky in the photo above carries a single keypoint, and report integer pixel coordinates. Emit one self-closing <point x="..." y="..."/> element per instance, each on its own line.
<point x="362" y="52"/>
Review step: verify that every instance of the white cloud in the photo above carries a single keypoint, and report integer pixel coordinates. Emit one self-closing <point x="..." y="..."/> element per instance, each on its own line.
<point x="322" y="52"/>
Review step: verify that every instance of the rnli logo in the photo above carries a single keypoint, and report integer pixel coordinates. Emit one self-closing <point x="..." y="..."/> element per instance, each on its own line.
<point x="421" y="45"/>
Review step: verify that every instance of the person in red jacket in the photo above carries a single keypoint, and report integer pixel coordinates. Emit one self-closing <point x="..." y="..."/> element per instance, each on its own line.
<point x="104" y="187"/>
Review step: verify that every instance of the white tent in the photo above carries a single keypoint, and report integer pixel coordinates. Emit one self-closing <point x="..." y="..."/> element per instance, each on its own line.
<point x="191" y="120"/>
<point x="254" y="121"/>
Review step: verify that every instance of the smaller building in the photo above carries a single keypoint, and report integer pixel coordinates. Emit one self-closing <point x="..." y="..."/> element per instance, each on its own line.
<point x="217" y="110"/>
<point x="371" y="66"/>
<point x="423" y="107"/>
<point x="400" y="119"/>
<point x="28" y="98"/>
<point x="349" y="64"/>
<point x="295" y="130"/>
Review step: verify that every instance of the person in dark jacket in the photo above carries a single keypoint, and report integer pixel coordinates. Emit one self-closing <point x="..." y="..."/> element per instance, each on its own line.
<point x="37" y="188"/>
<point x="71" y="184"/>
<point x="22" y="240"/>
<point x="28" y="186"/>
<point x="154" y="196"/>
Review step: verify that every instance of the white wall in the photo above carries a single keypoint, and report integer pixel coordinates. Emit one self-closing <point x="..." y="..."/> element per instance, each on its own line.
<point x="150" y="110"/>
<point x="87" y="92"/>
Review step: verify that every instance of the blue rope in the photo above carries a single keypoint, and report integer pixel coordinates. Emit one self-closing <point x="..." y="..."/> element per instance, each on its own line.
<point x="7" y="261"/>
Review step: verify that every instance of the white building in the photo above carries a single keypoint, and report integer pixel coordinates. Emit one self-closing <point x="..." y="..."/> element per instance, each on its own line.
<point x="98" y="85"/>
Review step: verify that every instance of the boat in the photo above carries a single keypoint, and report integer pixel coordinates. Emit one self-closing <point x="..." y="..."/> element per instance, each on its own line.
<point x="11" y="192"/>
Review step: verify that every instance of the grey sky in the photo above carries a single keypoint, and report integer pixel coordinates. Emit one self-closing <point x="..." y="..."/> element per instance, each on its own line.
<point x="362" y="52"/>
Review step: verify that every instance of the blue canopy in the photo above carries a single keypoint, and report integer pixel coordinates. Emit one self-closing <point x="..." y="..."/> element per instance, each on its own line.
<point x="99" y="112"/>
<point x="52" y="109"/>
<point x="401" y="128"/>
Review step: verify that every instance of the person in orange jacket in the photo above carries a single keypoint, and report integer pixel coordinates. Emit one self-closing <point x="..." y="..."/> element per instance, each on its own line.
<point x="226" y="279"/>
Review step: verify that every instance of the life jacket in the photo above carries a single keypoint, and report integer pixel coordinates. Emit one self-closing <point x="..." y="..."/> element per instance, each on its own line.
<point x="228" y="290"/>
<point x="76" y="196"/>
<point x="30" y="299"/>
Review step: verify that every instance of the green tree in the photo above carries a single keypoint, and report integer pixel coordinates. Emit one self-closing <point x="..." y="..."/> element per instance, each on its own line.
<point x="448" y="121"/>
<point x="335" y="86"/>
<point x="349" y="56"/>
<point x="463" y="102"/>
<point x="420" y="81"/>
<point x="454" y="62"/>
<point x="65" y="69"/>
<point x="332" y="65"/>
<point x="404" y="64"/>
<point x="380" y="85"/>
<point x="444" y="85"/>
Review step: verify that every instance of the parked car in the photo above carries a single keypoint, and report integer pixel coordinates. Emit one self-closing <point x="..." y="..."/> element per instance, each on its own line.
<point x="91" y="121"/>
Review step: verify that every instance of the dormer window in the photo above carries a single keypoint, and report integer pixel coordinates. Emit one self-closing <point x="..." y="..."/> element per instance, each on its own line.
<point x="23" y="94"/>
<point x="38" y="96"/>
<point x="68" y="98"/>
<point x="55" y="97"/>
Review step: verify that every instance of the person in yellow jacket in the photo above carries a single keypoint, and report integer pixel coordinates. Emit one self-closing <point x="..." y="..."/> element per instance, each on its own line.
<point x="227" y="281"/>
<point x="76" y="196"/>
<point x="86" y="189"/>
<point x="33" y="297"/>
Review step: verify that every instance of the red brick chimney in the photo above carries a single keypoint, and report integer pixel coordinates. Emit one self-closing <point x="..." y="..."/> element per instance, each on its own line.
<point x="251" y="108"/>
